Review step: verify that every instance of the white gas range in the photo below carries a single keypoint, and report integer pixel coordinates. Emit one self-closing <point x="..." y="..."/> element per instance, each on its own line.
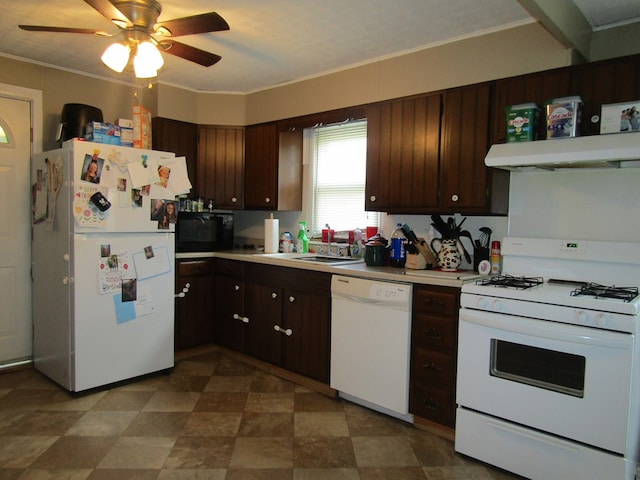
<point x="548" y="361"/>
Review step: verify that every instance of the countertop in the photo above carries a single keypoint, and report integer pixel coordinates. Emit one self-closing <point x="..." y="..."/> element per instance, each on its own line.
<point x="425" y="277"/>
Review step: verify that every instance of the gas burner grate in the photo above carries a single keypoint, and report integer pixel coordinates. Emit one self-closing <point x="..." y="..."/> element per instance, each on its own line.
<point x="520" y="283"/>
<point x="602" y="291"/>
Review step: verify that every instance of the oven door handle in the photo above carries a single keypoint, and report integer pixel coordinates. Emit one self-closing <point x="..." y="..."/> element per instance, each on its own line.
<point x="548" y="330"/>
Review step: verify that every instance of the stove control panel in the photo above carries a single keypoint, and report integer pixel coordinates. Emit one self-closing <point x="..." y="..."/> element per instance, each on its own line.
<point x="555" y="313"/>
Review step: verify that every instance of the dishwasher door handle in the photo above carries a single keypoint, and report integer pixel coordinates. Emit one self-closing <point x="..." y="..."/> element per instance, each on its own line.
<point x="367" y="301"/>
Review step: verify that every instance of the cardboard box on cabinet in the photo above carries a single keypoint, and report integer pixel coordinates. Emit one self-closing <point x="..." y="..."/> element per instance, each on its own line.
<point x="141" y="127"/>
<point x="620" y="117"/>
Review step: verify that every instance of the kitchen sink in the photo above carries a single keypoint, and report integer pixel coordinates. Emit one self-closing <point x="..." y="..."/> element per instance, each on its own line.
<point x="328" y="260"/>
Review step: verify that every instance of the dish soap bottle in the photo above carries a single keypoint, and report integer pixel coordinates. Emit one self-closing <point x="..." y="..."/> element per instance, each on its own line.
<point x="302" y="242"/>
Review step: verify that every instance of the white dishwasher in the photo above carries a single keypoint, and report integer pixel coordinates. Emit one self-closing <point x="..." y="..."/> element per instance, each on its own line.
<point x="370" y="343"/>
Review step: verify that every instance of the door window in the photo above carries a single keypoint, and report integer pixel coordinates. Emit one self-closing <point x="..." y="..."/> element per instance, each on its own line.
<point x="557" y="371"/>
<point x="5" y="135"/>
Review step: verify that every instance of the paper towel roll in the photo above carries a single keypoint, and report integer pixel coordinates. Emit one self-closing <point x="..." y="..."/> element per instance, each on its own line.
<point x="271" y="235"/>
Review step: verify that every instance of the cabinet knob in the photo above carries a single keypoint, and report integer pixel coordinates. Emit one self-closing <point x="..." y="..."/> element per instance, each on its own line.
<point x="454" y="198"/>
<point x="267" y="200"/>
<point x="236" y="287"/>
<point x="274" y="295"/>
<point x="292" y="299"/>
<point x="372" y="198"/>
<point x="234" y="200"/>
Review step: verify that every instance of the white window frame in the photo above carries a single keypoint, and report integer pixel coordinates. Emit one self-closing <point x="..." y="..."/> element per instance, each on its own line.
<point x="309" y="187"/>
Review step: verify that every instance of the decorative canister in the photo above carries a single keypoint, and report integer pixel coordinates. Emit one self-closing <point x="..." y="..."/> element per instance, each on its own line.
<point x="447" y="254"/>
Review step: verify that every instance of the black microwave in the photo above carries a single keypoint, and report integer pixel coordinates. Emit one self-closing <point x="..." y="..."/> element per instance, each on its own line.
<point x="204" y="232"/>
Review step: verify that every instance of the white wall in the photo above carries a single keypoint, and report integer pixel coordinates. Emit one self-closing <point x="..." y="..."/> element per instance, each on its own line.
<point x="576" y="204"/>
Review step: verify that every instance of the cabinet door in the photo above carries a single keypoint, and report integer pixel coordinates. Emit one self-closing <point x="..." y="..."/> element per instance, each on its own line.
<point x="306" y="319"/>
<point x="465" y="182"/>
<point x="229" y="312"/>
<point x="220" y="164"/>
<point x="273" y="168"/>
<point x="178" y="137"/>
<point x="403" y="138"/>
<point x="532" y="88"/>
<point x="263" y="307"/>
<point x="610" y="81"/>
<point x="194" y="314"/>
<point x="261" y="168"/>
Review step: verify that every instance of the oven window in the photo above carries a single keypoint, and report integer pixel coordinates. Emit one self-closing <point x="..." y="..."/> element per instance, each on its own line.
<point x="557" y="371"/>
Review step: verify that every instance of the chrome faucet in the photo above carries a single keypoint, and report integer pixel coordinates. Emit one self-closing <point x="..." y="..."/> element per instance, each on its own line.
<point x="328" y="239"/>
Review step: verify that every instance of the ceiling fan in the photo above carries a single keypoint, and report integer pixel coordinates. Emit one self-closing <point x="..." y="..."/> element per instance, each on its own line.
<point x="137" y="21"/>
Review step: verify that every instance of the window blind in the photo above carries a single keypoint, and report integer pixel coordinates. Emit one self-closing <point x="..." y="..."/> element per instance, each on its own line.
<point x="340" y="159"/>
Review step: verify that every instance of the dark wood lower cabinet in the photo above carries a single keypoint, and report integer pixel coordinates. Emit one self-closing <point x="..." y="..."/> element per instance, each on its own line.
<point x="434" y="339"/>
<point x="194" y="324"/>
<point x="278" y="315"/>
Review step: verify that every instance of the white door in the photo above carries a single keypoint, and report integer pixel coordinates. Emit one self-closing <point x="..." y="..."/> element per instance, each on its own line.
<point x="15" y="222"/>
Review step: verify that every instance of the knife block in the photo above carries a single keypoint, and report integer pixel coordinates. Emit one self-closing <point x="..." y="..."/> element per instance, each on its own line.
<point x="424" y="250"/>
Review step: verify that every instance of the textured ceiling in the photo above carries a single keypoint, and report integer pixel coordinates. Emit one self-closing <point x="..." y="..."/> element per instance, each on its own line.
<point x="275" y="41"/>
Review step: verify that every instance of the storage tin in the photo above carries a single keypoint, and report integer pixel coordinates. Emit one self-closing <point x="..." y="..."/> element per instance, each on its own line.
<point x="563" y="117"/>
<point x="522" y="122"/>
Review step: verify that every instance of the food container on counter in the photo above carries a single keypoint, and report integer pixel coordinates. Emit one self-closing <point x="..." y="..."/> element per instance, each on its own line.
<point x="376" y="251"/>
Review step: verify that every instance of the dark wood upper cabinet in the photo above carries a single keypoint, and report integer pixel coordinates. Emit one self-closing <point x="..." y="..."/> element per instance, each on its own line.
<point x="598" y="83"/>
<point x="403" y="143"/>
<point x="273" y="167"/>
<point x="220" y="165"/>
<point x="533" y="88"/>
<point x="178" y="137"/>
<point x="466" y="184"/>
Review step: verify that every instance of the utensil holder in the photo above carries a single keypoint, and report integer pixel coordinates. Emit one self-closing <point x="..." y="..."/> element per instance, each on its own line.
<point x="479" y="254"/>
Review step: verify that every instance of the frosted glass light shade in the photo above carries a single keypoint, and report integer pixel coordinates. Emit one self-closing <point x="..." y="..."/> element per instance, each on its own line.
<point x="116" y="56"/>
<point x="147" y="60"/>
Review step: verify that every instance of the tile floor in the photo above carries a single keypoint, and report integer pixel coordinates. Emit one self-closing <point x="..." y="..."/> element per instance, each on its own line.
<point x="213" y="417"/>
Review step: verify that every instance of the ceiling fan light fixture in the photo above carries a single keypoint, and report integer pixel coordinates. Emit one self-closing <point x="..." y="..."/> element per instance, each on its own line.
<point x="116" y="56"/>
<point x="147" y="60"/>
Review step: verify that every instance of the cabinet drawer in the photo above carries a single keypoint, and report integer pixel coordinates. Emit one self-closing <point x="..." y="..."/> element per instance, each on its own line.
<point x="442" y="301"/>
<point x="190" y="268"/>
<point x="231" y="268"/>
<point x="430" y="368"/>
<point x="434" y="404"/>
<point x="429" y="331"/>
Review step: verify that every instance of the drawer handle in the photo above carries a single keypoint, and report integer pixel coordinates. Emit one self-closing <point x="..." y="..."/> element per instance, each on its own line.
<point x="241" y="318"/>
<point x="434" y="302"/>
<point x="288" y="332"/>
<point x="431" y="404"/>
<point x="433" y="333"/>
<point x="432" y="367"/>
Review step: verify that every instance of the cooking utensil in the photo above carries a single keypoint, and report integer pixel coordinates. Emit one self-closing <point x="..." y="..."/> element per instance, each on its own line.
<point x="485" y="237"/>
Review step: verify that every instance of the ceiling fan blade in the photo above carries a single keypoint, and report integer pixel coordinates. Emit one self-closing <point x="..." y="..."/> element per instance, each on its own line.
<point x="110" y="12"/>
<point x="41" y="28"/>
<point x="205" y="22"/>
<point x="193" y="54"/>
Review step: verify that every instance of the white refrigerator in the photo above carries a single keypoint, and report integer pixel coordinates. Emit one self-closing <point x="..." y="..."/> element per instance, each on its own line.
<point x="103" y="262"/>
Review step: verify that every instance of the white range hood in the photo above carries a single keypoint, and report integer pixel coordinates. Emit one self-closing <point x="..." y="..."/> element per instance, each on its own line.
<point x="597" y="151"/>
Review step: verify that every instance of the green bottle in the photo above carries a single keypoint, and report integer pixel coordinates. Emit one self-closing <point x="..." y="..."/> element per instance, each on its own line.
<point x="302" y="243"/>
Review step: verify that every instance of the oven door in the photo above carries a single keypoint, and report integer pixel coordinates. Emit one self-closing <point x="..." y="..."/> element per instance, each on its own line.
<point x="563" y="379"/>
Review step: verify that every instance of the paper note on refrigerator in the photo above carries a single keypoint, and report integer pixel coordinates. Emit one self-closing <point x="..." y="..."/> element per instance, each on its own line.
<point x="112" y="270"/>
<point x="179" y="181"/>
<point x="152" y="261"/>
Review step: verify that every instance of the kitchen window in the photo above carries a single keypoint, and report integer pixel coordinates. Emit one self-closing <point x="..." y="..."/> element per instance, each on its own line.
<point x="337" y="156"/>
